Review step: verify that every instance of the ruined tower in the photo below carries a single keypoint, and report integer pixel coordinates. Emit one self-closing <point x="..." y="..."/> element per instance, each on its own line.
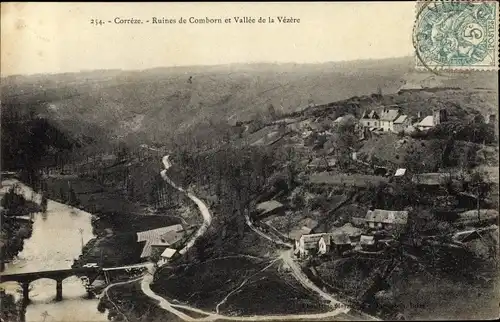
<point x="439" y="116"/>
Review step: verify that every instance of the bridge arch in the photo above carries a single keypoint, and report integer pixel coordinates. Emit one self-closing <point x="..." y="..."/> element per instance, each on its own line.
<point x="25" y="279"/>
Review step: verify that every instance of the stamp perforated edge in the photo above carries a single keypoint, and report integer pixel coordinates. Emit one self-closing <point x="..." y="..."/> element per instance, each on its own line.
<point x="421" y="66"/>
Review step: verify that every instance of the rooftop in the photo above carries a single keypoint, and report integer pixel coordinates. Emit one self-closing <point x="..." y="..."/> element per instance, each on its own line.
<point x="430" y="178"/>
<point x="155" y="234"/>
<point x="168" y="253"/>
<point x="297" y="233"/>
<point x="172" y="237"/>
<point x="348" y="229"/>
<point x="268" y="206"/>
<point x="400" y="119"/>
<point x="389" y="115"/>
<point x="311" y="240"/>
<point x="400" y="172"/>
<point x="367" y="240"/>
<point x="370" y="115"/>
<point x="427" y="121"/>
<point x="340" y="238"/>
<point x="153" y="237"/>
<point x="308" y="222"/>
<point x="387" y="216"/>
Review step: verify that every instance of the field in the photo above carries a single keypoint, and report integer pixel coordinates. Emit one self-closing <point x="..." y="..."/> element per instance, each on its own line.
<point x="235" y="285"/>
<point x="353" y="180"/>
<point x="130" y="300"/>
<point x="273" y="293"/>
<point x="427" y="296"/>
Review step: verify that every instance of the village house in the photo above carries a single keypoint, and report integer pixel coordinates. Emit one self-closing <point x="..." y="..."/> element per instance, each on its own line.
<point x="306" y="225"/>
<point x="166" y="255"/>
<point x="370" y="119"/>
<point x="367" y="243"/>
<point x="323" y="243"/>
<point x="401" y="123"/>
<point x="352" y="232"/>
<point x="309" y="245"/>
<point x="153" y="238"/>
<point x="438" y="116"/>
<point x="426" y="123"/>
<point x="401" y="175"/>
<point x="386" y="219"/>
<point x="387" y="118"/>
<point x="431" y="181"/>
<point x="334" y="244"/>
<point x="339" y="243"/>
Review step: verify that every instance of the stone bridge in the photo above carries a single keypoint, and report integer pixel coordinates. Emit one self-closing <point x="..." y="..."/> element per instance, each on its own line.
<point x="58" y="275"/>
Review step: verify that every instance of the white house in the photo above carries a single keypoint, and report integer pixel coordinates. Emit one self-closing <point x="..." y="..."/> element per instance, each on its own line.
<point x="387" y="118"/>
<point x="324" y="244"/>
<point x="400" y="172"/>
<point x="166" y="256"/>
<point x="309" y="244"/>
<point x="426" y="123"/>
<point x="370" y="120"/>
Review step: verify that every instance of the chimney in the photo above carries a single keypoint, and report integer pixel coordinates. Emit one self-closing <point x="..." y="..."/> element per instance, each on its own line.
<point x="419" y="114"/>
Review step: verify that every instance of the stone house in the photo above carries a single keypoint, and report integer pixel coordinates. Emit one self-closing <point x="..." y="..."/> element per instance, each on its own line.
<point x="401" y="123"/>
<point x="309" y="245"/>
<point x="370" y="119"/>
<point x="386" y="219"/>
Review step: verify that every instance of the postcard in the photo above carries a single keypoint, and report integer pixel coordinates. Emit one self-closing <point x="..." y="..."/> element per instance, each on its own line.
<point x="234" y="161"/>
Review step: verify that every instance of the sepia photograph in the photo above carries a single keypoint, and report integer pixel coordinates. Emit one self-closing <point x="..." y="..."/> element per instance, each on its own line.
<point x="249" y="161"/>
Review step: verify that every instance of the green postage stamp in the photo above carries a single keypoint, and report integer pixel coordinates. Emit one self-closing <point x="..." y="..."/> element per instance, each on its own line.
<point x="456" y="35"/>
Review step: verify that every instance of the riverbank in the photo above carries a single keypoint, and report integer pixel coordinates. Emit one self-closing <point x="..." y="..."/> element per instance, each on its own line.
<point x="115" y="221"/>
<point x="54" y="243"/>
<point x="15" y="222"/>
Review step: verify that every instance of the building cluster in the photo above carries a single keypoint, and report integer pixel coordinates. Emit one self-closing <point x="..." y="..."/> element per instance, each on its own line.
<point x="162" y="242"/>
<point x="392" y="120"/>
<point x="372" y="235"/>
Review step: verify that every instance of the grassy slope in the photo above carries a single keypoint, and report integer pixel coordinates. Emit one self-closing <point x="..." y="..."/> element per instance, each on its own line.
<point x="161" y="101"/>
<point x="226" y="265"/>
<point x="153" y="103"/>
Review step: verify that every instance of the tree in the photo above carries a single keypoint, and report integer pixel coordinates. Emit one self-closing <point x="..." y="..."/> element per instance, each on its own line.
<point x="44" y="202"/>
<point x="344" y="141"/>
<point x="73" y="200"/>
<point x="44" y="315"/>
<point x="480" y="188"/>
<point x="9" y="309"/>
<point x="272" y="112"/>
<point x="379" y="91"/>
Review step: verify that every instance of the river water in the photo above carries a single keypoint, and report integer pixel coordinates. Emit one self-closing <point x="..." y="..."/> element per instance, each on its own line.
<point x="56" y="241"/>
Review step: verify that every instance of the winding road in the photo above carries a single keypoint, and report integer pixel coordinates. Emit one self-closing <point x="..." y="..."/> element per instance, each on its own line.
<point x="340" y="311"/>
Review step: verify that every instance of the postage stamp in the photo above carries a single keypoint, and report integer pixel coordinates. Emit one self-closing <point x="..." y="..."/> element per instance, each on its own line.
<point x="456" y="35"/>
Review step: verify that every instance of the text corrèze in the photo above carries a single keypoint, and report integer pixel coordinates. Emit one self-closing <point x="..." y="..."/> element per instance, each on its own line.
<point x="210" y="20"/>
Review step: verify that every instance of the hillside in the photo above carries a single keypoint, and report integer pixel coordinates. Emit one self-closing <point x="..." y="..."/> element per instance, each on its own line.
<point x="151" y="105"/>
<point x="296" y="154"/>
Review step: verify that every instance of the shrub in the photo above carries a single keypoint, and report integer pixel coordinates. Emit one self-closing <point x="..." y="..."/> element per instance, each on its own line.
<point x="477" y="132"/>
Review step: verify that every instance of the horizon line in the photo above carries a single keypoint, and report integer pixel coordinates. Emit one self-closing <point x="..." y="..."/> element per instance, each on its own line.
<point x="203" y="65"/>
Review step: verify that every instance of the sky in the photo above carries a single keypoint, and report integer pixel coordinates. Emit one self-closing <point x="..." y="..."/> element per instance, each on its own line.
<point x="59" y="37"/>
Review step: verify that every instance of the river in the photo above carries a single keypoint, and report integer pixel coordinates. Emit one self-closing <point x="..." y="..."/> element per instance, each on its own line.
<point x="55" y="242"/>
